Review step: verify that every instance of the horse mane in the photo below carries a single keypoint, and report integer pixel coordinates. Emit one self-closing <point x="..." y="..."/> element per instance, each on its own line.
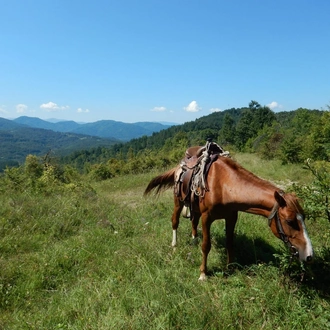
<point x="291" y="199"/>
<point x="235" y="166"/>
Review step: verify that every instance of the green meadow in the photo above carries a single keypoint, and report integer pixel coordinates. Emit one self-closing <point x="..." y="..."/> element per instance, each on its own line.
<point x="97" y="255"/>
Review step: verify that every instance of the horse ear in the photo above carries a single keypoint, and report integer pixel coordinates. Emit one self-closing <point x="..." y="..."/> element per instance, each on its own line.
<point x="279" y="198"/>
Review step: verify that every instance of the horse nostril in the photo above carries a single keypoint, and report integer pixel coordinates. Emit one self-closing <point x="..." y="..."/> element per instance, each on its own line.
<point x="309" y="258"/>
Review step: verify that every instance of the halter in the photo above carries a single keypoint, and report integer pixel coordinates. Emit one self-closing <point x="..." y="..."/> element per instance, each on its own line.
<point x="280" y="230"/>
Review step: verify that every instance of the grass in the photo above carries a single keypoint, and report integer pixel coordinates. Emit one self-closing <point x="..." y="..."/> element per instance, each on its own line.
<point x="275" y="171"/>
<point x="102" y="260"/>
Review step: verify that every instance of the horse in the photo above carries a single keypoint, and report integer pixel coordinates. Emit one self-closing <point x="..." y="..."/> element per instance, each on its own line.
<point x="232" y="189"/>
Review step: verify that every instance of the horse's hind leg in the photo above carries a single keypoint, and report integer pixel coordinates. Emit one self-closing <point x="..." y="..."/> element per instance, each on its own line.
<point x="178" y="205"/>
<point x="206" y="244"/>
<point x="230" y="226"/>
<point x="194" y="225"/>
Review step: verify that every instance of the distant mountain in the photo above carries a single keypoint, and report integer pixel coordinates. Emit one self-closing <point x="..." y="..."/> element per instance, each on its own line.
<point x="60" y="126"/>
<point x="34" y="122"/>
<point x="103" y="128"/>
<point x="31" y="135"/>
<point x="167" y="123"/>
<point x="114" y="129"/>
<point x="6" y="124"/>
<point x="18" y="140"/>
<point x="153" y="127"/>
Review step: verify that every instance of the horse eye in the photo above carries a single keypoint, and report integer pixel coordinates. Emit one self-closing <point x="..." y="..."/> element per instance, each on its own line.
<point x="292" y="223"/>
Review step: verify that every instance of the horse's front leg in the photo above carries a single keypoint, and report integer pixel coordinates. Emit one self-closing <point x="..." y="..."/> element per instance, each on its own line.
<point x="206" y="244"/>
<point x="230" y="226"/>
<point x="178" y="205"/>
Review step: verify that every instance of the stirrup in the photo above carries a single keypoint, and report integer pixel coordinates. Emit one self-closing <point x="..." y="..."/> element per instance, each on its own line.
<point x="185" y="212"/>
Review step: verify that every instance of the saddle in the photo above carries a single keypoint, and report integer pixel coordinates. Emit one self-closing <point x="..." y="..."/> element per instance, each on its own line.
<point x="191" y="178"/>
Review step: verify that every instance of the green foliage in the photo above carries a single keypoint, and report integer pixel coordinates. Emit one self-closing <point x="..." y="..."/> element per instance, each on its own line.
<point x="33" y="167"/>
<point x="290" y="136"/>
<point x="100" y="172"/>
<point x="316" y="195"/>
<point x="41" y="176"/>
<point x="14" y="178"/>
<point x="269" y="141"/>
<point x="291" y="148"/>
<point x="227" y="131"/>
<point x="16" y="144"/>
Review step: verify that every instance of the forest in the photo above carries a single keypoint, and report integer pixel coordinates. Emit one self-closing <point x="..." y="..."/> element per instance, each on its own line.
<point x="291" y="137"/>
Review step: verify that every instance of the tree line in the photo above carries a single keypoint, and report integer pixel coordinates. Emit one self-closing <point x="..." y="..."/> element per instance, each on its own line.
<point x="290" y="136"/>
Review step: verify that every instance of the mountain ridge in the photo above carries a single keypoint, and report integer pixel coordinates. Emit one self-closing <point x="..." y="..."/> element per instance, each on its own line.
<point x="101" y="128"/>
<point x="31" y="135"/>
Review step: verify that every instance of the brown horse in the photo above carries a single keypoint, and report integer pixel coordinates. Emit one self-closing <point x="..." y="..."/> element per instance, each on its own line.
<point x="231" y="188"/>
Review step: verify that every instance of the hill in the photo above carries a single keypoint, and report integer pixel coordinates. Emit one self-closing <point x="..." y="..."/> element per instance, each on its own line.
<point x="18" y="140"/>
<point x="30" y="135"/>
<point x="290" y="136"/>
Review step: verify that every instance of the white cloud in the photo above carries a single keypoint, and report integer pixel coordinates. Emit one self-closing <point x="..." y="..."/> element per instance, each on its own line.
<point x="192" y="107"/>
<point x="215" y="110"/>
<point x="158" y="109"/>
<point x="3" y="110"/>
<point x="51" y="106"/>
<point x="21" y="108"/>
<point x="274" y="105"/>
<point x="80" y="110"/>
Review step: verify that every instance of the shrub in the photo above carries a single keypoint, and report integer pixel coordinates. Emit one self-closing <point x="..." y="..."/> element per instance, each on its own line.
<point x="100" y="172"/>
<point x="316" y="195"/>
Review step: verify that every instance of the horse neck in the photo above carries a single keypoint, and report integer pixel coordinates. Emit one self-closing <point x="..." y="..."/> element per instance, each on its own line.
<point x="248" y="192"/>
<point x="260" y="200"/>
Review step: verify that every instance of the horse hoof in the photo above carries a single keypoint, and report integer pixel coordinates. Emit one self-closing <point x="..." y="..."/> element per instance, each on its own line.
<point x="195" y="241"/>
<point x="202" y="277"/>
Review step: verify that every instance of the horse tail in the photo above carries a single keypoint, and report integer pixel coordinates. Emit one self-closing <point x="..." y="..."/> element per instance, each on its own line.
<point x="162" y="182"/>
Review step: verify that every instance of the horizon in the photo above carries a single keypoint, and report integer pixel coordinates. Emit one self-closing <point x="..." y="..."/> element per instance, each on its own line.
<point x="163" y="122"/>
<point x="161" y="62"/>
<point x="56" y="120"/>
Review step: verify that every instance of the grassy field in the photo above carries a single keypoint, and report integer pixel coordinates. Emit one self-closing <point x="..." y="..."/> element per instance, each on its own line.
<point x="100" y="259"/>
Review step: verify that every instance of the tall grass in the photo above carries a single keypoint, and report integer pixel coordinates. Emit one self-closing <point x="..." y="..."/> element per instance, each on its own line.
<point x="102" y="260"/>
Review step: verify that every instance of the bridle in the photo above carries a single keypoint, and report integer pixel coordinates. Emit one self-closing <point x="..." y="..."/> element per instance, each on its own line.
<point x="274" y="215"/>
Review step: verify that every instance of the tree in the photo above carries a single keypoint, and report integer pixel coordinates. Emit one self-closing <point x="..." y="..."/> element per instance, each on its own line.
<point x="244" y="129"/>
<point x="227" y="131"/>
<point x="33" y="167"/>
<point x="254" y="105"/>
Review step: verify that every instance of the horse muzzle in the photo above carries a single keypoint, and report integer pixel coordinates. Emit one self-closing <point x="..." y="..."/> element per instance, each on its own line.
<point x="305" y="256"/>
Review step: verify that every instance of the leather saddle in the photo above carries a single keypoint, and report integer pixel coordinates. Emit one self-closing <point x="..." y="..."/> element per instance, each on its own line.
<point x="191" y="177"/>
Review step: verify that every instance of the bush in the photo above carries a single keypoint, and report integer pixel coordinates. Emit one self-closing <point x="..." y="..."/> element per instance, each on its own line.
<point x="100" y="172"/>
<point x="316" y="195"/>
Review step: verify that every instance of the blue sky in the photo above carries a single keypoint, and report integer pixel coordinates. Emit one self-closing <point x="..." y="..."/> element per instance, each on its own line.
<point x="152" y="60"/>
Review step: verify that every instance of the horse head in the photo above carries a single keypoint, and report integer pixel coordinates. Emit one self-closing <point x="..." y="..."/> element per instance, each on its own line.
<point x="286" y="221"/>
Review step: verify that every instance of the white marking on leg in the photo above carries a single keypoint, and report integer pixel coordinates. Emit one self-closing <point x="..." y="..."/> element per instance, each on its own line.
<point x="174" y="238"/>
<point x="202" y="277"/>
